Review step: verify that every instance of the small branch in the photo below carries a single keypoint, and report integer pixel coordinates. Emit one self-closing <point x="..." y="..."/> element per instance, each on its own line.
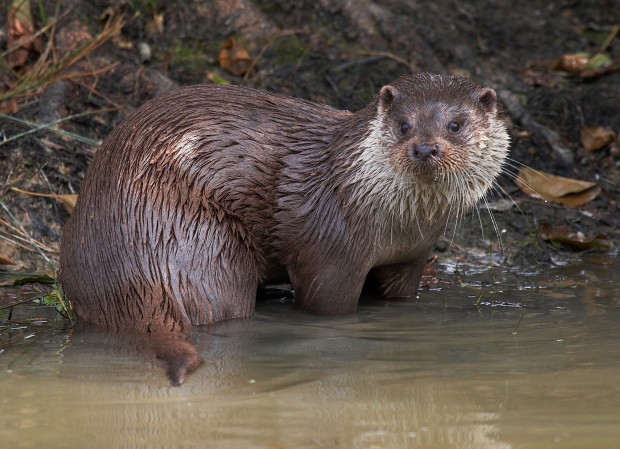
<point x="388" y="55"/>
<point x="610" y="38"/>
<point x="521" y="115"/>
<point x="19" y="302"/>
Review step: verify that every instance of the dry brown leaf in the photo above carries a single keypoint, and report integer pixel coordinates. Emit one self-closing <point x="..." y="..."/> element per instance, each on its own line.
<point x="9" y="106"/>
<point x="122" y="43"/>
<point x="614" y="149"/>
<point x="575" y="239"/>
<point x="52" y="145"/>
<point x="566" y="191"/>
<point x="585" y="65"/>
<point x="155" y="27"/>
<point x="429" y="275"/>
<point x="234" y="58"/>
<point x="68" y="201"/>
<point x="20" y="34"/>
<point x="575" y="63"/>
<point x="5" y="260"/>
<point x="594" y="138"/>
<point x="539" y="78"/>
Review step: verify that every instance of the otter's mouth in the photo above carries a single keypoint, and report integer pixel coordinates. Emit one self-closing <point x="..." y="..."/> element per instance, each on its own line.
<point x="426" y="160"/>
<point x="427" y="172"/>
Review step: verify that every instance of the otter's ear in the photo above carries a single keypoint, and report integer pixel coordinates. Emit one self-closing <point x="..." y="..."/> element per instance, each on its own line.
<point x="488" y="99"/>
<point x="387" y="96"/>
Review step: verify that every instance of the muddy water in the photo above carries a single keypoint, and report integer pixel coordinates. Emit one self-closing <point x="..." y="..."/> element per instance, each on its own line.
<point x="530" y="360"/>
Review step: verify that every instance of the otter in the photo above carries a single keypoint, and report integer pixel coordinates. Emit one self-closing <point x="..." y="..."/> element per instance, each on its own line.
<point x="207" y="192"/>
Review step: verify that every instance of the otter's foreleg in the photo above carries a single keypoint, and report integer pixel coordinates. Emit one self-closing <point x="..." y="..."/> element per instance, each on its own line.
<point x="398" y="280"/>
<point x="327" y="288"/>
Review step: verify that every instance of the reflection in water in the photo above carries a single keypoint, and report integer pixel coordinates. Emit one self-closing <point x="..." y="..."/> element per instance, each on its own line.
<point x="440" y="372"/>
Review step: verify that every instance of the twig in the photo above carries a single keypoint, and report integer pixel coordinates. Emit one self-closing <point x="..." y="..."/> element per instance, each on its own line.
<point x="49" y="127"/>
<point x="93" y="91"/>
<point x="610" y="38"/>
<point x="20" y="240"/>
<point x="21" y="301"/>
<point x="521" y="115"/>
<point x="518" y="323"/>
<point x="44" y="73"/>
<point x="30" y="239"/>
<point x="386" y="54"/>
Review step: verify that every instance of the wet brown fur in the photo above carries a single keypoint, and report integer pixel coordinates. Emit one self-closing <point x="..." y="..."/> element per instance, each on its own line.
<point x="205" y="193"/>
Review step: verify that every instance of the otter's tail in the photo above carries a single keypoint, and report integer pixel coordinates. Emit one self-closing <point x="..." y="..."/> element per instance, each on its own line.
<point x="178" y="356"/>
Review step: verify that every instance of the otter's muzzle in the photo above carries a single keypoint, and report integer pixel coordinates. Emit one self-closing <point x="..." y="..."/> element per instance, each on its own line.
<point x="425" y="151"/>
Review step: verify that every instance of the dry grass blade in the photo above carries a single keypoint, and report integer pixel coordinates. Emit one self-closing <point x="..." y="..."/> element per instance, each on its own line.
<point x="51" y="127"/>
<point x="45" y="71"/>
<point x="31" y="38"/>
<point x="23" y="232"/>
<point x="18" y="238"/>
<point x="68" y="201"/>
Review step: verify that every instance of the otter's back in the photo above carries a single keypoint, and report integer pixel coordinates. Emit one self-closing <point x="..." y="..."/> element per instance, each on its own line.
<point x="141" y="230"/>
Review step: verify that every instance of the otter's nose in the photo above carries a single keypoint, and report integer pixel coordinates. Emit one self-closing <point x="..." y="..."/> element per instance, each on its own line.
<point x="425" y="151"/>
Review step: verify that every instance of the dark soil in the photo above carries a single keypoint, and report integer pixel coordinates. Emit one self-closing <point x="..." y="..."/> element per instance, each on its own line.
<point x="338" y="52"/>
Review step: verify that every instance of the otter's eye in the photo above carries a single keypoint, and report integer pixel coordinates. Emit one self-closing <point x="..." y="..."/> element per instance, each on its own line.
<point x="404" y="127"/>
<point x="454" y="127"/>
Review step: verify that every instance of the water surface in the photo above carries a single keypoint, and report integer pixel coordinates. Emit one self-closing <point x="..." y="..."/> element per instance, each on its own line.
<point x="527" y="360"/>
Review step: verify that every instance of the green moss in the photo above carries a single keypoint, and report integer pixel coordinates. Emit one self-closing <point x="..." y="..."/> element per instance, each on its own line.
<point x="57" y="300"/>
<point x="188" y="61"/>
<point x="289" y="50"/>
<point x="145" y="7"/>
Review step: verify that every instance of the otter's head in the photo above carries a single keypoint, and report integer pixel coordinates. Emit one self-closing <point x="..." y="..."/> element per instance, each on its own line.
<point x="441" y="133"/>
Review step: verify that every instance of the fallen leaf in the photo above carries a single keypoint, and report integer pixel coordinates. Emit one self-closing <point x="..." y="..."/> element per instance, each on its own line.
<point x="574" y="63"/>
<point x="122" y="43"/>
<point x="155" y="27"/>
<point x="20" y="34"/>
<point x="599" y="61"/>
<point x="575" y="239"/>
<point x="111" y="15"/>
<point x="594" y="138"/>
<point x="216" y="78"/>
<point x="597" y="73"/>
<point x="539" y="78"/>
<point x="5" y="260"/>
<point x="566" y="191"/>
<point x="614" y="149"/>
<point x="52" y="145"/>
<point x="9" y="106"/>
<point x="586" y="66"/>
<point x="68" y="201"/>
<point x="595" y="36"/>
<point x="234" y="58"/>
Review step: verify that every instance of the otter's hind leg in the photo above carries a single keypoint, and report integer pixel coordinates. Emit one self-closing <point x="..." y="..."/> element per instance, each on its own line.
<point x="329" y="287"/>
<point x="213" y="275"/>
<point x="218" y="272"/>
